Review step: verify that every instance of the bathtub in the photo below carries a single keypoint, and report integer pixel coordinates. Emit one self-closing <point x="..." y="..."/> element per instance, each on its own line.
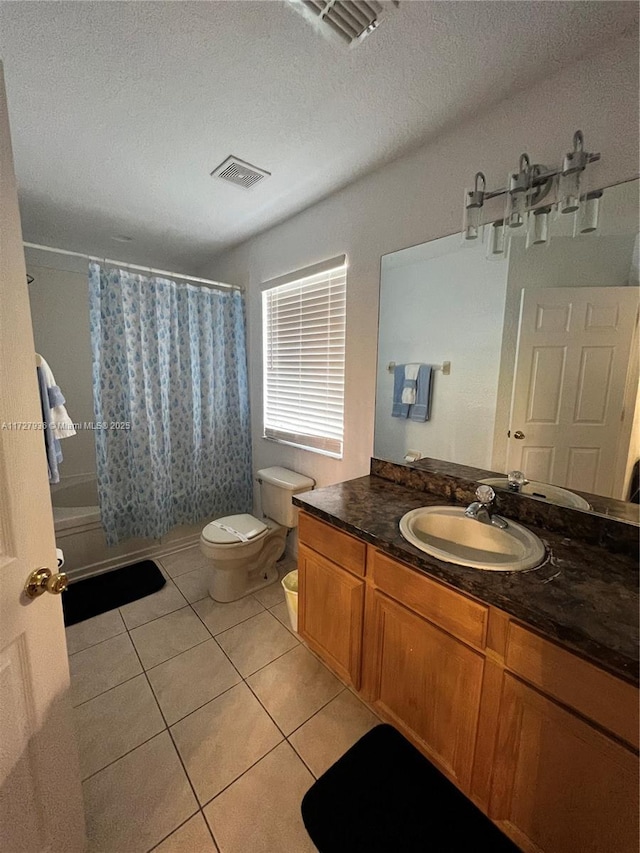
<point x="78" y="529"/>
<point x="75" y="502"/>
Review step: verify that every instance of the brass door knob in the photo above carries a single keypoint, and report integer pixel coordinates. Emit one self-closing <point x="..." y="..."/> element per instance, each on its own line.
<point x="519" y="434"/>
<point x="43" y="580"/>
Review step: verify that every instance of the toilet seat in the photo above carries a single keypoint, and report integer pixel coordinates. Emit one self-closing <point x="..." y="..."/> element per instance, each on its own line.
<point x="234" y="530"/>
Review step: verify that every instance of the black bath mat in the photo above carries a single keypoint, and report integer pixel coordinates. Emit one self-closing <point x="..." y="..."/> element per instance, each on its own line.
<point x="93" y="596"/>
<point x="384" y="796"/>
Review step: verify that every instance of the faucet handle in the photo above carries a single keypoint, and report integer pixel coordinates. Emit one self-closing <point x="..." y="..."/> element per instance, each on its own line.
<point x="516" y="480"/>
<point x="485" y="495"/>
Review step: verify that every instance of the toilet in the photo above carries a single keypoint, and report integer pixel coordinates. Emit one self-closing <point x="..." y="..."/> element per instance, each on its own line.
<point x="244" y="550"/>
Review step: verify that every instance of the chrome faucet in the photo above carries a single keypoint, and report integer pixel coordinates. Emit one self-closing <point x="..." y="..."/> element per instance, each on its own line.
<point x="482" y="509"/>
<point x="516" y="480"/>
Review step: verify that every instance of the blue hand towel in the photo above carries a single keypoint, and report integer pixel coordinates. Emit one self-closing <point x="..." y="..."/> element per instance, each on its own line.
<point x="421" y="409"/>
<point x="51" y="444"/>
<point x="399" y="409"/>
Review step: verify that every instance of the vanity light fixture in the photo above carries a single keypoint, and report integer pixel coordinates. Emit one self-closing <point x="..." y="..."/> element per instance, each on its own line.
<point x="497" y="241"/>
<point x="587" y="217"/>
<point x="517" y="196"/>
<point x="538" y="227"/>
<point x="570" y="178"/>
<point x="525" y="189"/>
<point x="473" y="203"/>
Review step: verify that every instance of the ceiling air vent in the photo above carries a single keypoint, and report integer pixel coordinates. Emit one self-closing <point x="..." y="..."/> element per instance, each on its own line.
<point x="350" y="20"/>
<point x="238" y="172"/>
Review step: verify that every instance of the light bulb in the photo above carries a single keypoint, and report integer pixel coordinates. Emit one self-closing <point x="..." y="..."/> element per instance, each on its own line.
<point x="473" y="203"/>
<point x="538" y="227"/>
<point x="497" y="242"/>
<point x="588" y="216"/>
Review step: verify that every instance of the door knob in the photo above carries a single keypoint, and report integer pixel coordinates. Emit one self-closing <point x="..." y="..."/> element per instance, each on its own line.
<point x="43" y="580"/>
<point x="519" y="434"/>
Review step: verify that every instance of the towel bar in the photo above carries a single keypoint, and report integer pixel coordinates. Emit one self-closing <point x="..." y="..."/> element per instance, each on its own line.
<point x="445" y="367"/>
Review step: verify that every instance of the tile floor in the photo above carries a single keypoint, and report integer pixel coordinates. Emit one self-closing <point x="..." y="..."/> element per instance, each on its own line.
<point x="201" y="725"/>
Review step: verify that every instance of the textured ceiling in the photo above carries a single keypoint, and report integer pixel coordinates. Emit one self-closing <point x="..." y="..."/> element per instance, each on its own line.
<point x="120" y="110"/>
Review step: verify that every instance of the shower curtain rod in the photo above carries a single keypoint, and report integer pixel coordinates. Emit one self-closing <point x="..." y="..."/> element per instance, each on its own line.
<point x="220" y="285"/>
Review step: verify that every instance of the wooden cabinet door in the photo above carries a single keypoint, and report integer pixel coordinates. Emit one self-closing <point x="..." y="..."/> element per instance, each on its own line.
<point x="424" y="681"/>
<point x="559" y="785"/>
<point x="331" y="612"/>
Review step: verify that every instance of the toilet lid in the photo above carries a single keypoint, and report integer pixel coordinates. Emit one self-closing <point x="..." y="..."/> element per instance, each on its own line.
<point x="233" y="529"/>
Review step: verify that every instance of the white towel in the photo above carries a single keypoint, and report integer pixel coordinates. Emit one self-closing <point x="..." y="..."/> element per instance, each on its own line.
<point x="410" y="383"/>
<point x="61" y="423"/>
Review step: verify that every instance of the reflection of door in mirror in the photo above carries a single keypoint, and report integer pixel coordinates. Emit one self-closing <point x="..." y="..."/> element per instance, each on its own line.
<point x="575" y="388"/>
<point x="576" y="378"/>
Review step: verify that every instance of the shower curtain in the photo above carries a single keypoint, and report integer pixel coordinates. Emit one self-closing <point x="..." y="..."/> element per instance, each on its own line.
<point x="171" y="402"/>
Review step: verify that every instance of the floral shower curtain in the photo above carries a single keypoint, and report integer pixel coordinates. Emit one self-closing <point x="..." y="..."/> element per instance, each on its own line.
<point x="171" y="402"/>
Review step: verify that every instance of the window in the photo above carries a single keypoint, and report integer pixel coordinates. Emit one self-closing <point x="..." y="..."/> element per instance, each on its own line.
<point x="303" y="318"/>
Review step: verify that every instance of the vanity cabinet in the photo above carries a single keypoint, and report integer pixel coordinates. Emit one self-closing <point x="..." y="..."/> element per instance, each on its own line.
<point x="559" y="784"/>
<point x="331" y="596"/>
<point x="425" y="682"/>
<point x="543" y="741"/>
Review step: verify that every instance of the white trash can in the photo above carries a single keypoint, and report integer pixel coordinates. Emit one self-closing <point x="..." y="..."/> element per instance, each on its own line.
<point x="290" y="585"/>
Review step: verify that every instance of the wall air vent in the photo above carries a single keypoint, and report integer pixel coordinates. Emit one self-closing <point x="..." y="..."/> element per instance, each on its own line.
<point x="238" y="172"/>
<point x="350" y="21"/>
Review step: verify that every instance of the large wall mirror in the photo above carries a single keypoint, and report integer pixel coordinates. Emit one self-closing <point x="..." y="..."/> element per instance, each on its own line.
<point x="543" y="353"/>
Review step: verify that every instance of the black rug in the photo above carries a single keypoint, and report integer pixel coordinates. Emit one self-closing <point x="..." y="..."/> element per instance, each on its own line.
<point x="383" y="796"/>
<point x="93" y="596"/>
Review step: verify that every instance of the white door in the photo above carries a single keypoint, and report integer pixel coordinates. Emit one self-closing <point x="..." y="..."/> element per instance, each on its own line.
<point x="40" y="794"/>
<point x="567" y="414"/>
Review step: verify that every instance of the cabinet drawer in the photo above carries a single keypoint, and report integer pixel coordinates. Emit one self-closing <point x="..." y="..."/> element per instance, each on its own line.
<point x="595" y="694"/>
<point x="345" y="550"/>
<point x="450" y="610"/>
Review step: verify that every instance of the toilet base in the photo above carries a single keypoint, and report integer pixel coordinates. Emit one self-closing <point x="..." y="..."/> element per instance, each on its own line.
<point x="264" y="578"/>
<point x="224" y="589"/>
<point x="233" y="579"/>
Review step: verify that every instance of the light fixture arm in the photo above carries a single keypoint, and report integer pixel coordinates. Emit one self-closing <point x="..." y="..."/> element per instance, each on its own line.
<point x="539" y="175"/>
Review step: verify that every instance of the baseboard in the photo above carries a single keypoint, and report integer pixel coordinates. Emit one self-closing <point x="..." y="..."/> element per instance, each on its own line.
<point x="146" y="553"/>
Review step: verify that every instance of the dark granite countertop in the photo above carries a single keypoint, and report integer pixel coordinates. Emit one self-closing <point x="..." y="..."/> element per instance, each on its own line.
<point x="584" y="597"/>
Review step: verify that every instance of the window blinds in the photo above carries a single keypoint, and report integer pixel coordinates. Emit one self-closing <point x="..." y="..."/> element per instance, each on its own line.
<point x="304" y="341"/>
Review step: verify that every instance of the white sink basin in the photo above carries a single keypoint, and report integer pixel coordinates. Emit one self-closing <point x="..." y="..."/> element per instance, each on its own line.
<point x="445" y="532"/>
<point x="553" y="494"/>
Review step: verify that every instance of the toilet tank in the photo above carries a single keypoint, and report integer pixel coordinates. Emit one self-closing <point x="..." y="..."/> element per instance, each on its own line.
<point x="277" y="486"/>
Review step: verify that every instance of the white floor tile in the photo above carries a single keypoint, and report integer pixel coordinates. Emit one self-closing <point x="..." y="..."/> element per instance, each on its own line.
<point x="281" y="612"/>
<point x="134" y="803"/>
<point x="190" y="679"/>
<point x="115" y="722"/>
<point x="260" y="813"/>
<point x="94" y="631"/>
<point x="166" y="600"/>
<point x="256" y="642"/>
<point x="328" y="735"/>
<point x="220" y="617"/>
<point x="166" y="637"/>
<point x="270" y="595"/>
<point x="187" y="560"/>
<point x="192" y="837"/>
<point x="101" y="667"/>
<point x="223" y="739"/>
<point x="294" y="687"/>
<point x="194" y="585"/>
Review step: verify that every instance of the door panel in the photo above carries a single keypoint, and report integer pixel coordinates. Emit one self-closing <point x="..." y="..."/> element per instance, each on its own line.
<point x="559" y="785"/>
<point x="40" y="796"/>
<point x="426" y="682"/>
<point x="331" y="613"/>
<point x="574" y="354"/>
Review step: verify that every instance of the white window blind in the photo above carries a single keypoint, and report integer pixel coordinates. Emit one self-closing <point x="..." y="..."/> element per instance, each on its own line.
<point x="303" y="339"/>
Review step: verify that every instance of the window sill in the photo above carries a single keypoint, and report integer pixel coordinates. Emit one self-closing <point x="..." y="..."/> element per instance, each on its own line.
<point x="303" y="447"/>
